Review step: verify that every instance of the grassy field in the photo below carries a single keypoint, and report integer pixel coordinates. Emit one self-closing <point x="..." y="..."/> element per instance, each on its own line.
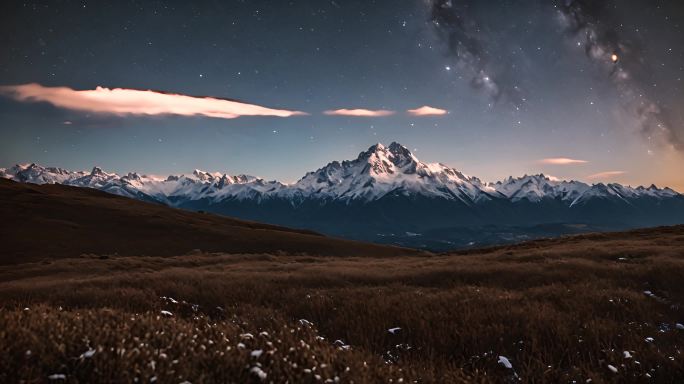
<point x="592" y="308"/>
<point x="45" y="222"/>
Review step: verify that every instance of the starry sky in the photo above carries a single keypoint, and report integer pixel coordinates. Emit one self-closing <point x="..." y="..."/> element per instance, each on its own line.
<point x="576" y="89"/>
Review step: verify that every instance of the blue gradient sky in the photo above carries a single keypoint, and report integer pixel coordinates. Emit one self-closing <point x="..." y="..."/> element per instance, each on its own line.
<point x="314" y="56"/>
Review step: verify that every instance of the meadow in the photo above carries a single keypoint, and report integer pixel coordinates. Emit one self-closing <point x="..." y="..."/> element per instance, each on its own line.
<point x="591" y="308"/>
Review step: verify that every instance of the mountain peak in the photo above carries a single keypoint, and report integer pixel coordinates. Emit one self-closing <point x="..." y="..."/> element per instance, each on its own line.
<point x="384" y="158"/>
<point x="399" y="150"/>
<point x="133" y="176"/>
<point x="97" y="171"/>
<point x="207" y="176"/>
<point x="373" y="149"/>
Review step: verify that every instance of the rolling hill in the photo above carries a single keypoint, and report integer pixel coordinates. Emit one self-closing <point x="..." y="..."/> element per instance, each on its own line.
<point x="55" y="221"/>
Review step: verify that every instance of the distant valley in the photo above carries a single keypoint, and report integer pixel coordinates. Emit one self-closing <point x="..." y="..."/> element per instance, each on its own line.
<point x="387" y="195"/>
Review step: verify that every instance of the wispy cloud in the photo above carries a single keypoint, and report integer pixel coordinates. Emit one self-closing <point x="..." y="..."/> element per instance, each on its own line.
<point x="360" y="112"/>
<point x="427" y="110"/>
<point x="122" y="101"/>
<point x="605" y="175"/>
<point x="561" y="161"/>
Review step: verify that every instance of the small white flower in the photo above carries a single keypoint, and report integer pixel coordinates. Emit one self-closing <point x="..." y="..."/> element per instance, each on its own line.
<point x="305" y="323"/>
<point x="259" y="373"/>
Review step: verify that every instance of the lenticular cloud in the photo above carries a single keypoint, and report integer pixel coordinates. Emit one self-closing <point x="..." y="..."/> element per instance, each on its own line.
<point x="359" y="112"/>
<point x="122" y="101"/>
<point x="562" y="161"/>
<point x="604" y="175"/>
<point x="427" y="110"/>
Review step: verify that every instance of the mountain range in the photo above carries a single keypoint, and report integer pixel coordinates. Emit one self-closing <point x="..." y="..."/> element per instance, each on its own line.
<point x="387" y="195"/>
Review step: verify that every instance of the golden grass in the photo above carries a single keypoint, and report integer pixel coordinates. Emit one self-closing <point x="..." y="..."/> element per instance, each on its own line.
<point x="559" y="310"/>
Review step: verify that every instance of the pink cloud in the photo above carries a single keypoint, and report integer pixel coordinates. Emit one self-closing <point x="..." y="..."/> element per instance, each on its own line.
<point x="426" y="110"/>
<point x="561" y="161"/>
<point x="122" y="101"/>
<point x="604" y="175"/>
<point x="360" y="112"/>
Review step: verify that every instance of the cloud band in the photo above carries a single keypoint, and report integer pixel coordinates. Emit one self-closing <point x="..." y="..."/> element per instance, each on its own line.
<point x="359" y="112"/>
<point x="562" y="161"/>
<point x="122" y="101"/>
<point x="604" y="175"/>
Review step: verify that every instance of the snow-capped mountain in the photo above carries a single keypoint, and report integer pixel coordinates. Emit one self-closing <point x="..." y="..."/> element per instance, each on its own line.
<point x="33" y="173"/>
<point x="375" y="173"/>
<point x="539" y="187"/>
<point x="198" y="185"/>
<point x="382" y="170"/>
<point x="386" y="193"/>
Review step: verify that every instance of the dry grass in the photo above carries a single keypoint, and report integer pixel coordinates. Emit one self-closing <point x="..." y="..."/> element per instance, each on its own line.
<point x="559" y="310"/>
<point x="106" y="345"/>
<point x="46" y="222"/>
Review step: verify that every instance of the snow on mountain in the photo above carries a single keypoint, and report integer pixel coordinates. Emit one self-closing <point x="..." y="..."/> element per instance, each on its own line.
<point x="195" y="186"/>
<point x="382" y="170"/>
<point x="538" y="187"/>
<point x="377" y="172"/>
<point x="199" y="185"/>
<point x="622" y="193"/>
<point x="96" y="179"/>
<point x="36" y="174"/>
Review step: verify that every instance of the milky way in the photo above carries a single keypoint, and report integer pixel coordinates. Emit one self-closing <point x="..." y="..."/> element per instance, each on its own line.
<point x="471" y="49"/>
<point x="596" y="26"/>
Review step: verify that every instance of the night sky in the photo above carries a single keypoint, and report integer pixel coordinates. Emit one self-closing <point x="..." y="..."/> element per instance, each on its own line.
<point x="599" y="82"/>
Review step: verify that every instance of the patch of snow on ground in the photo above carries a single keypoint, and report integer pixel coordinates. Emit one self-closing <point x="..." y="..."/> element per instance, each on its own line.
<point x="503" y="360"/>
